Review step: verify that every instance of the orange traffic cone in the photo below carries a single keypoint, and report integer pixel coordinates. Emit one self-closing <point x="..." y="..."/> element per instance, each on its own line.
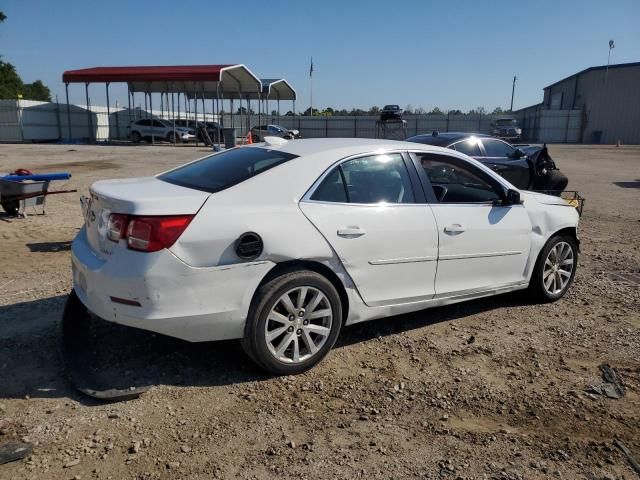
<point x="249" y="139"/>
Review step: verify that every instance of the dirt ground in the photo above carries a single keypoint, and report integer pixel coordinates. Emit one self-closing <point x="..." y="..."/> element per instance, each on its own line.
<point x="487" y="389"/>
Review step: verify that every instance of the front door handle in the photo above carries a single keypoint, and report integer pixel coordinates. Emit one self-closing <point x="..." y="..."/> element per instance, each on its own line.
<point x="455" y="228"/>
<point x="350" y="232"/>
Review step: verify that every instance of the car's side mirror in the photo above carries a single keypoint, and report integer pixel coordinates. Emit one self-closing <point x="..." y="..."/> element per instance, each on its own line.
<point x="518" y="153"/>
<point x="512" y="197"/>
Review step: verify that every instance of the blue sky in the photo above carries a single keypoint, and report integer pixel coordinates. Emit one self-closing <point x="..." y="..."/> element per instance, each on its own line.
<point x="454" y="54"/>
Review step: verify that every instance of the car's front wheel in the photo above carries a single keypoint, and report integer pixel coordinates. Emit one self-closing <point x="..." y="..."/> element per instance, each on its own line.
<point x="555" y="268"/>
<point x="293" y="322"/>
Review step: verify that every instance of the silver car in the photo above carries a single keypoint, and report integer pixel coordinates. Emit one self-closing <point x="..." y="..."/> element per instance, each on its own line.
<point x="149" y="128"/>
<point x="258" y="133"/>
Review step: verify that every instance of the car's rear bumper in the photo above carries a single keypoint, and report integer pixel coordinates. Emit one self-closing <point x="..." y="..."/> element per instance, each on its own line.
<point x="195" y="304"/>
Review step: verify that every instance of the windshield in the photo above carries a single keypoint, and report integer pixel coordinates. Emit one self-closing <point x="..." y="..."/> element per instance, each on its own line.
<point x="506" y="122"/>
<point x="225" y="169"/>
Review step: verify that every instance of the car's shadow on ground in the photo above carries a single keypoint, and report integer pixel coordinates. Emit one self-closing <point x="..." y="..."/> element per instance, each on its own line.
<point x="31" y="359"/>
<point x="628" y="184"/>
<point x="49" y="247"/>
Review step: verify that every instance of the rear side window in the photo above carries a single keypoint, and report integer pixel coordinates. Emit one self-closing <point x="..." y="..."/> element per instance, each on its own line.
<point x="374" y="179"/>
<point x="497" y="148"/>
<point x="470" y="147"/>
<point x="225" y="169"/>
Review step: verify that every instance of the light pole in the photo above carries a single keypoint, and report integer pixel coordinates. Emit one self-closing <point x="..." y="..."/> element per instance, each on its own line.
<point x="611" y="47"/>
<point x="513" y="89"/>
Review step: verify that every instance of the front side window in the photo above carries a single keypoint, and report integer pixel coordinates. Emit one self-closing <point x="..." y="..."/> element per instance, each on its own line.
<point x="225" y="169"/>
<point x="455" y="181"/>
<point x="497" y="148"/>
<point x="374" y="179"/>
<point x="470" y="147"/>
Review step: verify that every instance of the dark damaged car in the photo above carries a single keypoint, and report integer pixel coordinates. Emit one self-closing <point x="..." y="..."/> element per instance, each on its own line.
<point x="528" y="167"/>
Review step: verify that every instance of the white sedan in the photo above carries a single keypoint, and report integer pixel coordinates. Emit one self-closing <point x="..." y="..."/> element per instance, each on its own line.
<point x="280" y="244"/>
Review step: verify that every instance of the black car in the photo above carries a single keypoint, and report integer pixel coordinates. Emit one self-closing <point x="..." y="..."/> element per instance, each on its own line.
<point x="390" y="113"/>
<point x="528" y="167"/>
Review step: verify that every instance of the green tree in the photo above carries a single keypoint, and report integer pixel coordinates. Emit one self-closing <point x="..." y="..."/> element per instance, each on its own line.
<point x="455" y="112"/>
<point x="435" y="111"/>
<point x="497" y="111"/>
<point x="37" y="91"/>
<point x="10" y="82"/>
<point x="374" y="110"/>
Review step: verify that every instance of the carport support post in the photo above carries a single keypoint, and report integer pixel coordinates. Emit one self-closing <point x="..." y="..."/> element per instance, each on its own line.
<point x="179" y="108"/>
<point x="173" y="116"/>
<point x="66" y="88"/>
<point x="129" y="103"/>
<point x="195" y="107"/>
<point x="153" y="138"/>
<point x="117" y="122"/>
<point x="89" y="122"/>
<point x="108" y="113"/>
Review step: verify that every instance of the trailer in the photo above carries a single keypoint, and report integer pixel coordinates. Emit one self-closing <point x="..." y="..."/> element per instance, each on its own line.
<point x="19" y="191"/>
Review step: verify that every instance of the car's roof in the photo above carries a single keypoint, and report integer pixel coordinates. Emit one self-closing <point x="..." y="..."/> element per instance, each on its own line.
<point x="444" y="138"/>
<point x="339" y="147"/>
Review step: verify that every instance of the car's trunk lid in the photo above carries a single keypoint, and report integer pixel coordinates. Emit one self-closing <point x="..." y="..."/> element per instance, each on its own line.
<point x="134" y="196"/>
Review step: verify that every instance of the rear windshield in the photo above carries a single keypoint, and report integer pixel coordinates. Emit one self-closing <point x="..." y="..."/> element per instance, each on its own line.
<point x="225" y="169"/>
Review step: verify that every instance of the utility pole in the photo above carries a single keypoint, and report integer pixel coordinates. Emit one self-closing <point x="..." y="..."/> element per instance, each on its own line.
<point x="311" y="88"/>
<point x="513" y="89"/>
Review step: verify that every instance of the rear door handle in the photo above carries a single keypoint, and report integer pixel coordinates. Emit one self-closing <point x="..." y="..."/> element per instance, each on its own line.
<point x="351" y="232"/>
<point x="455" y="228"/>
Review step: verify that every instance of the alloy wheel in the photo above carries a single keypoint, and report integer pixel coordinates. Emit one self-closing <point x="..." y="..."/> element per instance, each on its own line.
<point x="558" y="268"/>
<point x="298" y="325"/>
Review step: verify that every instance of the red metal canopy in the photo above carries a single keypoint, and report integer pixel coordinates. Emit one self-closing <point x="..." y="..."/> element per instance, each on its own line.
<point x="175" y="78"/>
<point x="175" y="73"/>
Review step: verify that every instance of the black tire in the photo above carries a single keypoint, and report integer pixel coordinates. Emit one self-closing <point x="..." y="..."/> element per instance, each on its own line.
<point x="536" y="284"/>
<point x="554" y="182"/>
<point x="171" y="137"/>
<point x="254" y="342"/>
<point x="11" y="206"/>
<point x="255" y="138"/>
<point x="136" y="137"/>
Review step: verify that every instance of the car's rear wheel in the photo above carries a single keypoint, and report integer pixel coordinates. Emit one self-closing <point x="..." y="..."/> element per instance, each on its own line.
<point x="255" y="138"/>
<point x="136" y="137"/>
<point x="171" y="137"/>
<point x="293" y="322"/>
<point x="555" y="269"/>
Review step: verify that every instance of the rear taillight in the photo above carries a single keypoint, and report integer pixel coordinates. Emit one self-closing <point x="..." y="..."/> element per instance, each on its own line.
<point x="116" y="226"/>
<point x="147" y="234"/>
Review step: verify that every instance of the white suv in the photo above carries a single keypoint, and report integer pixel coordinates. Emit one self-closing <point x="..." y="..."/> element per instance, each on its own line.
<point x="159" y="130"/>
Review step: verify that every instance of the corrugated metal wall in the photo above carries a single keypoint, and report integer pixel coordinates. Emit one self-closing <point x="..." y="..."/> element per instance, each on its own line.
<point x="28" y="121"/>
<point x="612" y="105"/>
<point x="610" y="101"/>
<point x="32" y="121"/>
<point x="558" y="126"/>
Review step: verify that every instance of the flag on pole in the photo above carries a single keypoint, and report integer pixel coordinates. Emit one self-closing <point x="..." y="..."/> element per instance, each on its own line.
<point x="611" y="44"/>
<point x="311" y="68"/>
